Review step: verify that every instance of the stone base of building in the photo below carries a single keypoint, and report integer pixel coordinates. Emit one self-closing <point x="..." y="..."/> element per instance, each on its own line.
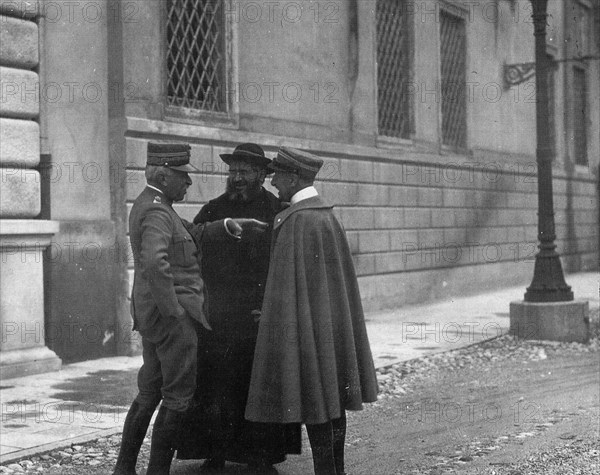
<point x="23" y="349"/>
<point x="16" y="363"/>
<point x="555" y="321"/>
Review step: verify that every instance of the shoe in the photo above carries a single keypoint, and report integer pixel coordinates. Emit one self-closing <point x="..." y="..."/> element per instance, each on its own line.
<point x="262" y="469"/>
<point x="122" y="471"/>
<point x="213" y="465"/>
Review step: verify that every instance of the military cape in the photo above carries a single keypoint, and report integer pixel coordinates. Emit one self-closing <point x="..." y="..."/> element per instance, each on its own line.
<point x="312" y="357"/>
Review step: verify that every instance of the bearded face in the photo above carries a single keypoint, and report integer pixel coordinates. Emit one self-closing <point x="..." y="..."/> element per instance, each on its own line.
<point x="244" y="181"/>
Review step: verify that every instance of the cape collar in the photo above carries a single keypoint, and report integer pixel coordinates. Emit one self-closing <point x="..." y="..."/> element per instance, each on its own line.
<point x="304" y="194"/>
<point x="315" y="202"/>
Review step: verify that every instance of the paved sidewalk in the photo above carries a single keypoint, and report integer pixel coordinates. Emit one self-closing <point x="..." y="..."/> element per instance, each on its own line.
<point x="87" y="400"/>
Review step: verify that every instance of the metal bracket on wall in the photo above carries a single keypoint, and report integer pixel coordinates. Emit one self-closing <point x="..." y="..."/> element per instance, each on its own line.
<point x="518" y="73"/>
<point x="515" y="74"/>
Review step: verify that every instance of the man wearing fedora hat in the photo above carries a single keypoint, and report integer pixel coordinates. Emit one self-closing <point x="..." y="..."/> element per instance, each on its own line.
<point x="234" y="274"/>
<point x="167" y="304"/>
<point x="312" y="360"/>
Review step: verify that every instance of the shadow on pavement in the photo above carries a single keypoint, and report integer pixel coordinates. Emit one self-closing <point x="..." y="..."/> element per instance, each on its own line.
<point x="106" y="387"/>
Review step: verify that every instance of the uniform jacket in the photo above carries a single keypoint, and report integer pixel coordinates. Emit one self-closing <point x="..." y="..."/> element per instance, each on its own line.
<point x="235" y="272"/>
<point x="312" y="357"/>
<point x="167" y="272"/>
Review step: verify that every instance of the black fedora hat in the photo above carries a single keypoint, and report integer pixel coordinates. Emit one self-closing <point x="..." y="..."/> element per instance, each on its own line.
<point x="248" y="152"/>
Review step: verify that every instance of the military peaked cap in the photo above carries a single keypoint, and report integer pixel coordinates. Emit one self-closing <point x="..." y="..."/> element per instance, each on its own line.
<point x="291" y="160"/>
<point x="173" y="155"/>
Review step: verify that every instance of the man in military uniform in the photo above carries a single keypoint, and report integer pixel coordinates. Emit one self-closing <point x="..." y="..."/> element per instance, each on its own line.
<point x="234" y="274"/>
<point x="167" y="304"/>
<point x="312" y="360"/>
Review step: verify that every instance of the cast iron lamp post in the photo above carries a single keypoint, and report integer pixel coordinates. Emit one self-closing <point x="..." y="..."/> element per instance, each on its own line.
<point x="549" y="311"/>
<point x="548" y="284"/>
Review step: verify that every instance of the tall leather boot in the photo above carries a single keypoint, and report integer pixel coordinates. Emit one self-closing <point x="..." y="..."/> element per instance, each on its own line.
<point x="134" y="431"/>
<point x="320" y="437"/>
<point x="339" y="439"/>
<point x="165" y="437"/>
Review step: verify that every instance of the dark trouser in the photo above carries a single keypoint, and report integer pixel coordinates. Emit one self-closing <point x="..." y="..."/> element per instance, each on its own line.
<point x="327" y="444"/>
<point x="168" y="373"/>
<point x="169" y="350"/>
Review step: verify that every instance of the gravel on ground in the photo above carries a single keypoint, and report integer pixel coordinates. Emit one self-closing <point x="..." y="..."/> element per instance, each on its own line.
<point x="569" y="453"/>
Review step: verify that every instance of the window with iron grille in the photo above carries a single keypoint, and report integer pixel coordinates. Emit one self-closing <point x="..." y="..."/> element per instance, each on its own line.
<point x="580" y="115"/>
<point x="394" y="69"/>
<point x="453" y="47"/>
<point x="196" y="55"/>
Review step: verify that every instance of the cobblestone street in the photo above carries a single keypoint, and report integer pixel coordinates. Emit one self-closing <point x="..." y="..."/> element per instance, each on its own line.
<point x="501" y="407"/>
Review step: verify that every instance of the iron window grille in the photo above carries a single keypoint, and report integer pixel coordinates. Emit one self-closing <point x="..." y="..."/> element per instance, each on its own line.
<point x="580" y="115"/>
<point x="394" y="69"/>
<point x="453" y="51"/>
<point x="196" y="55"/>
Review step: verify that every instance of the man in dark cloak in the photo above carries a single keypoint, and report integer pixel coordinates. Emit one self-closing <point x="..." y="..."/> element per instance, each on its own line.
<point x="234" y="275"/>
<point x="312" y="360"/>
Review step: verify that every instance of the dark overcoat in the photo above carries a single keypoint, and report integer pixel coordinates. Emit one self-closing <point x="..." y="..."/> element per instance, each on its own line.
<point x="312" y="357"/>
<point x="234" y="274"/>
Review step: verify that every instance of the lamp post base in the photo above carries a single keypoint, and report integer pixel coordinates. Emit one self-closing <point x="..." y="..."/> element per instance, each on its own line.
<point x="548" y="283"/>
<point x="555" y="321"/>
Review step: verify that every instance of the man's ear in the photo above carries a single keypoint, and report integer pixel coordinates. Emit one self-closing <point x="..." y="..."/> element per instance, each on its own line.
<point x="262" y="174"/>
<point x="161" y="178"/>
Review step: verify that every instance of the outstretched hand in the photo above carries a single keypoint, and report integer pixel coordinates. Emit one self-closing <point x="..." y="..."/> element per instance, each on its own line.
<point x="247" y="225"/>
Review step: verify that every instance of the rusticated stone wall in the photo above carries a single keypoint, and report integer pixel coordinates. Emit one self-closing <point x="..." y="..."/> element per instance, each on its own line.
<point x="23" y="238"/>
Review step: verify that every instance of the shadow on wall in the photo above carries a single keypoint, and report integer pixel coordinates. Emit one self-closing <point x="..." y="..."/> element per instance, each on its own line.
<point x="570" y="259"/>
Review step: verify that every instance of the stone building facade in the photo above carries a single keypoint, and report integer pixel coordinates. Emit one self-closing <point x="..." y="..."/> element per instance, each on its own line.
<point x="427" y="133"/>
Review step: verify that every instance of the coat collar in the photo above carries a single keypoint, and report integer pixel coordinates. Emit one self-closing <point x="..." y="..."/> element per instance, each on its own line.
<point x="304" y="194"/>
<point x="156" y="195"/>
<point x="316" y="202"/>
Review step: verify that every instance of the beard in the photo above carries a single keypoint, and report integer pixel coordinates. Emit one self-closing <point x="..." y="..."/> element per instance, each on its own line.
<point x="250" y="192"/>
